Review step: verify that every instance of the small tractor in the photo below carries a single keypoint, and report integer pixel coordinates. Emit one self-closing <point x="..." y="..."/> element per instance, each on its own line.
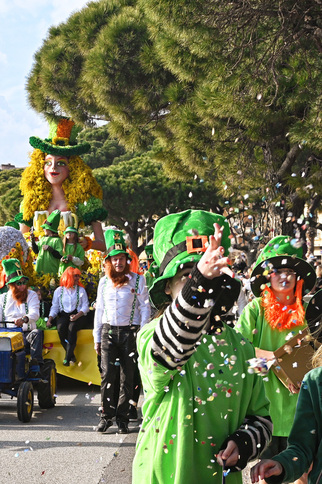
<point x="20" y="375"/>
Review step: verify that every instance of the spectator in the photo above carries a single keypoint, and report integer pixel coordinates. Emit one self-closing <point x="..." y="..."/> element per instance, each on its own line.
<point x="200" y="401"/>
<point x="279" y="280"/>
<point x="305" y="441"/>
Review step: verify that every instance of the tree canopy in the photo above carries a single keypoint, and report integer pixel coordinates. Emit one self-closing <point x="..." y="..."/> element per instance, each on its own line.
<point x="10" y="197"/>
<point x="137" y="192"/>
<point x="227" y="88"/>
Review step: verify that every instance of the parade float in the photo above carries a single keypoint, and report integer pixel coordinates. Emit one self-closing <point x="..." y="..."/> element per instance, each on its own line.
<point x="57" y="178"/>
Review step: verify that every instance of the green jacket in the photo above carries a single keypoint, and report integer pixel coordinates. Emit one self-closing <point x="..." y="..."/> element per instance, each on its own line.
<point x="79" y="253"/>
<point x="188" y="413"/>
<point x="48" y="260"/>
<point x="253" y="326"/>
<point x="305" y="440"/>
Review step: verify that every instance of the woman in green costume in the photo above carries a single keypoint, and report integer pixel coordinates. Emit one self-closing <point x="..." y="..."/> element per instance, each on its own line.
<point x="202" y="411"/>
<point x="73" y="252"/>
<point x="279" y="281"/>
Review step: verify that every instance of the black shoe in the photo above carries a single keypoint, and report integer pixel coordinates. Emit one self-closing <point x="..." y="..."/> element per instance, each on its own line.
<point x="123" y="428"/>
<point x="66" y="363"/>
<point x="104" y="424"/>
<point x="73" y="359"/>
<point x="133" y="414"/>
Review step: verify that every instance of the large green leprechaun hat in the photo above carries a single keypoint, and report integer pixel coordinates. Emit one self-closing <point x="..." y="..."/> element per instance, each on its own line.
<point x="52" y="221"/>
<point x="13" y="271"/>
<point x="62" y="139"/>
<point x="181" y="238"/>
<point x="115" y="243"/>
<point x="281" y="251"/>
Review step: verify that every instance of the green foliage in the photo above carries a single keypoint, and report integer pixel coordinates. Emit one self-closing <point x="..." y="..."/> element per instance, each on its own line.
<point x="10" y="197"/>
<point x="104" y="150"/>
<point x="230" y="90"/>
<point x="137" y="193"/>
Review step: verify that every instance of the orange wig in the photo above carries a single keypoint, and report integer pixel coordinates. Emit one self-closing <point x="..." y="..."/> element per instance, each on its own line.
<point x="67" y="278"/>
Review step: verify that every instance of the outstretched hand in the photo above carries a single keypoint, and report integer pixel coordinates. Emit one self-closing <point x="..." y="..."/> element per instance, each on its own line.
<point x="212" y="264"/>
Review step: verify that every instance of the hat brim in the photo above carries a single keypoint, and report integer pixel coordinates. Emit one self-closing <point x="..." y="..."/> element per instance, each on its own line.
<point x="230" y="288"/>
<point x="45" y="226"/>
<point x="57" y="150"/>
<point x="71" y="230"/>
<point x="303" y="269"/>
<point x="17" y="278"/>
<point x="313" y="315"/>
<point x="116" y="252"/>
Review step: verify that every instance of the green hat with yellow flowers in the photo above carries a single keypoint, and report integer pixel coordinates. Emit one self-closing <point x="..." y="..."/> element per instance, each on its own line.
<point x="52" y="221"/>
<point x="115" y="243"/>
<point x="181" y="238"/>
<point x="281" y="252"/>
<point x="62" y="139"/>
<point x="13" y="271"/>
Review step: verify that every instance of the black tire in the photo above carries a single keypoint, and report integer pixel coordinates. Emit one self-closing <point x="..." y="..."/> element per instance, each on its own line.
<point x="25" y="401"/>
<point x="47" y="390"/>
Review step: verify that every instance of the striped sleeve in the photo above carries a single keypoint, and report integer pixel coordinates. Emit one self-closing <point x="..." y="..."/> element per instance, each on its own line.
<point x="183" y="322"/>
<point x="251" y="438"/>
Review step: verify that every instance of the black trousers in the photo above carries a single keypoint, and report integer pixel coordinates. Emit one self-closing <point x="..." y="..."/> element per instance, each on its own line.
<point x="67" y="331"/>
<point x="118" y="352"/>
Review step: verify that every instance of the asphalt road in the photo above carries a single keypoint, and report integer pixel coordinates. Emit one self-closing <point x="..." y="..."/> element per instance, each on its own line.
<point x="60" y="445"/>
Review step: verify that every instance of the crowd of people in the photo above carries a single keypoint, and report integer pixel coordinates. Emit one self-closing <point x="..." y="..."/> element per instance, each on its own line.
<point x="196" y="326"/>
<point x="201" y="402"/>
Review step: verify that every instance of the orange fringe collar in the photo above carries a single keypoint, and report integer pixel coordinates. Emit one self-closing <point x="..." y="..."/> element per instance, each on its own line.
<point x="283" y="317"/>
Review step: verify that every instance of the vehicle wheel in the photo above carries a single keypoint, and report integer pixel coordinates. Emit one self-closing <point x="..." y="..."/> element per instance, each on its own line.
<point x="47" y="390"/>
<point x="25" y="401"/>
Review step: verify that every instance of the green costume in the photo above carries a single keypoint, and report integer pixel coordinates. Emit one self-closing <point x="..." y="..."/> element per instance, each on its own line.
<point x="46" y="262"/>
<point x="253" y="326"/>
<point x="198" y="393"/>
<point x="188" y="414"/>
<point x="305" y="440"/>
<point x="69" y="250"/>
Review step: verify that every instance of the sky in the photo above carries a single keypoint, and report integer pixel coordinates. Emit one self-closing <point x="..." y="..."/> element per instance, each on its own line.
<point x="24" y="25"/>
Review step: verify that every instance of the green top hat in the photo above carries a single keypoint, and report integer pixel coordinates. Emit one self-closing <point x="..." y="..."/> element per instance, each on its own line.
<point x="281" y="251"/>
<point x="62" y="139"/>
<point x="115" y="243"/>
<point x="71" y="229"/>
<point x="180" y="238"/>
<point x="13" y="271"/>
<point x="52" y="221"/>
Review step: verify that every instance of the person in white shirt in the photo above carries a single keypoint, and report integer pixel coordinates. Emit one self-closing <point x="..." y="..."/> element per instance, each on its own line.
<point x="122" y="303"/>
<point x="20" y="307"/>
<point x="70" y="306"/>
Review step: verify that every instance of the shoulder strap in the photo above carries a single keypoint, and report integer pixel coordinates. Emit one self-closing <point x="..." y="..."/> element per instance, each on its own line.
<point x="135" y="297"/>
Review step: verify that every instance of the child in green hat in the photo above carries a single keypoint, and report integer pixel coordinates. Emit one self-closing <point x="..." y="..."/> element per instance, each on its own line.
<point x="49" y="247"/>
<point x="280" y="279"/>
<point x="202" y="409"/>
<point x="73" y="252"/>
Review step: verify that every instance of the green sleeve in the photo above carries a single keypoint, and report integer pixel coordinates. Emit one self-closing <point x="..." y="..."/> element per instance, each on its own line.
<point x="303" y="440"/>
<point x="155" y="377"/>
<point x="91" y="211"/>
<point x="247" y="322"/>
